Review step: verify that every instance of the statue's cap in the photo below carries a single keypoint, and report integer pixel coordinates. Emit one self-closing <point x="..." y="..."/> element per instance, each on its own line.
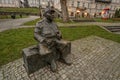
<point x="49" y="10"/>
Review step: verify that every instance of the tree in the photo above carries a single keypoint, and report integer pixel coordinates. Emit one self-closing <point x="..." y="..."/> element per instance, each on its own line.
<point x="26" y="4"/>
<point x="117" y="13"/>
<point x="64" y="10"/>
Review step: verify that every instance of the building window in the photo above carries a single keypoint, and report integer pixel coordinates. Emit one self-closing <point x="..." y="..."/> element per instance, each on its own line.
<point x="83" y="4"/>
<point x="78" y="3"/>
<point x="6" y="1"/>
<point x="0" y="1"/>
<point x="9" y="1"/>
<point x="96" y="6"/>
<point x="72" y="14"/>
<point x="88" y="5"/>
<point x="72" y="3"/>
<point x="111" y="7"/>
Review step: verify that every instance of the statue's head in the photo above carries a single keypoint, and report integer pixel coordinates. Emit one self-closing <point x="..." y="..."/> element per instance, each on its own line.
<point x="49" y="13"/>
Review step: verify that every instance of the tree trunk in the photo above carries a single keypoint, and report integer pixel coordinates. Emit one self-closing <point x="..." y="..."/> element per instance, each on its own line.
<point x="64" y="10"/>
<point x="26" y="4"/>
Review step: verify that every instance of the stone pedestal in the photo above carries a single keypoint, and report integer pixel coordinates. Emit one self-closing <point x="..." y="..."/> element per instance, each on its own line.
<point x="32" y="60"/>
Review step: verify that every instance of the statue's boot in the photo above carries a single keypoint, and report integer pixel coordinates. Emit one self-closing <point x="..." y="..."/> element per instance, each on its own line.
<point x="67" y="59"/>
<point x="66" y="54"/>
<point x="53" y="66"/>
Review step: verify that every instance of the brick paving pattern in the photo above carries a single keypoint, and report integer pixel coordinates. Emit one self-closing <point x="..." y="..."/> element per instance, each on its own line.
<point x="94" y="58"/>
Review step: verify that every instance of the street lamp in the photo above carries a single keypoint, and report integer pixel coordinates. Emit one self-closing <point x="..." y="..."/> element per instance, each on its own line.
<point x="39" y="3"/>
<point x="40" y="9"/>
<point x="78" y="11"/>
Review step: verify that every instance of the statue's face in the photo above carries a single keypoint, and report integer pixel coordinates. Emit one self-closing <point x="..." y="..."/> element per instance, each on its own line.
<point x="50" y="15"/>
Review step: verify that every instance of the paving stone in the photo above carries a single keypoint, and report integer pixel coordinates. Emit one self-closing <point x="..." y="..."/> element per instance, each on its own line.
<point x="94" y="58"/>
<point x="1" y="74"/>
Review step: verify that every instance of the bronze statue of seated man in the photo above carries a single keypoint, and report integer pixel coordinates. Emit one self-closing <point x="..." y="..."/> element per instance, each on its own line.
<point x="50" y="40"/>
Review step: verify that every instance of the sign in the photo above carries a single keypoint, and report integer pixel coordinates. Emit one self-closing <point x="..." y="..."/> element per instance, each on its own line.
<point x="105" y="13"/>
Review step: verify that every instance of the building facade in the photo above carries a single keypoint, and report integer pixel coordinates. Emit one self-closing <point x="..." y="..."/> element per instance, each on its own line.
<point x="42" y="3"/>
<point x="10" y="3"/>
<point x="75" y="7"/>
<point x="92" y="7"/>
<point x="32" y="3"/>
<point x="87" y="8"/>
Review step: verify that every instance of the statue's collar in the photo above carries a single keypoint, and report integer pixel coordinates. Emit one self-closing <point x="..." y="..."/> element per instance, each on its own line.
<point x="48" y="21"/>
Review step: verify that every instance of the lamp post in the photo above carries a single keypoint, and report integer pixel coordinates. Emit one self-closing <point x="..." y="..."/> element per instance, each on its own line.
<point x="40" y="9"/>
<point x="39" y="3"/>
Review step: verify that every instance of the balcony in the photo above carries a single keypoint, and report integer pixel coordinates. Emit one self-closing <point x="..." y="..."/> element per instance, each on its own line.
<point x="81" y="8"/>
<point x="104" y="1"/>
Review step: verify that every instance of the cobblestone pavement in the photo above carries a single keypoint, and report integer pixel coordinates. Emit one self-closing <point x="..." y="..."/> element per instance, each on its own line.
<point x="15" y="23"/>
<point x="94" y="58"/>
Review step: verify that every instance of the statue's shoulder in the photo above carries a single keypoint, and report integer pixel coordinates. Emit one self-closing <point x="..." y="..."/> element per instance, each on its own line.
<point x="40" y="23"/>
<point x="55" y="24"/>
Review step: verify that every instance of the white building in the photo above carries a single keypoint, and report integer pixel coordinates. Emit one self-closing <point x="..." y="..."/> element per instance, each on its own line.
<point x="91" y="7"/>
<point x="37" y="3"/>
<point x="78" y="7"/>
<point x="83" y="7"/>
<point x="9" y="3"/>
<point x="33" y="3"/>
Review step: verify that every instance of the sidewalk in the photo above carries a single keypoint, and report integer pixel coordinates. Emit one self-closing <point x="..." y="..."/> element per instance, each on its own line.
<point x="101" y="24"/>
<point x="82" y="24"/>
<point x="89" y="23"/>
<point x="94" y="58"/>
<point x="15" y="23"/>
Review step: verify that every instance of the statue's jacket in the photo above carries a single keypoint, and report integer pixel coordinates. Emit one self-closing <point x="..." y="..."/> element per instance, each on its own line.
<point x="46" y="30"/>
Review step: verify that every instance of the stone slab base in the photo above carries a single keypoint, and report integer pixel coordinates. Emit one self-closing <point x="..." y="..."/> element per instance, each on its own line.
<point x="33" y="61"/>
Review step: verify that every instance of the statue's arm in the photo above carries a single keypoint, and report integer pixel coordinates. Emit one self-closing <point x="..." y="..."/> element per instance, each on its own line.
<point x="59" y="34"/>
<point x="37" y="33"/>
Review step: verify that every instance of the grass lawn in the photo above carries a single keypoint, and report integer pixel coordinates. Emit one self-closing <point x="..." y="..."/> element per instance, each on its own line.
<point x="13" y="41"/>
<point x="108" y="20"/>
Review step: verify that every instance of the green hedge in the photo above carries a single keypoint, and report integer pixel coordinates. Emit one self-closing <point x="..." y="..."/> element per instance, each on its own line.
<point x="24" y="10"/>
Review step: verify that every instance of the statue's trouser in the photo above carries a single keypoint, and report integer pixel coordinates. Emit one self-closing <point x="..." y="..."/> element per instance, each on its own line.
<point x="65" y="51"/>
<point x="50" y="57"/>
<point x="62" y="50"/>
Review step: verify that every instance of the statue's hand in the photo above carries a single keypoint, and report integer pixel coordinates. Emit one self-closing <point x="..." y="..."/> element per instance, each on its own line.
<point x="59" y="36"/>
<point x="49" y="41"/>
